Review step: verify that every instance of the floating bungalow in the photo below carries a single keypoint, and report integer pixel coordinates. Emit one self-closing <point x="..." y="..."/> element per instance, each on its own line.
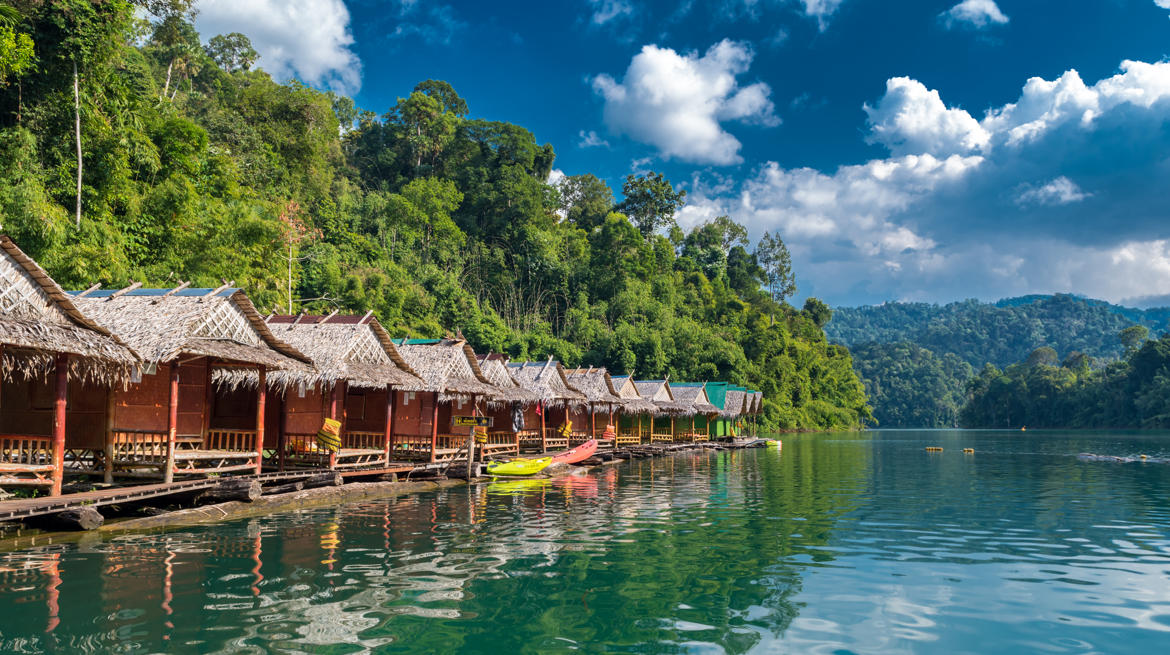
<point x="356" y="370"/>
<point x="601" y="396"/>
<point x="735" y="404"/>
<point x="699" y="411"/>
<point x="560" y="412"/>
<point x="58" y="371"/>
<point x="637" y="413"/>
<point x="422" y="429"/>
<point x="172" y="419"/>
<point x="508" y="418"/>
<point x="668" y="408"/>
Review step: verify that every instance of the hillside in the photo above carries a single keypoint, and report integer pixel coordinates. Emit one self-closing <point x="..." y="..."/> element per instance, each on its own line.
<point x="908" y="353"/>
<point x="197" y="166"/>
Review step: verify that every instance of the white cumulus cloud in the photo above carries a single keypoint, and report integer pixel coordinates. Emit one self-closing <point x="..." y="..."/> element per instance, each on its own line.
<point x="974" y="13"/>
<point x="678" y="102"/>
<point x="912" y="118"/>
<point x="591" y="139"/>
<point x="821" y="10"/>
<point x="606" y="10"/>
<point x="307" y="39"/>
<point x="1059" y="191"/>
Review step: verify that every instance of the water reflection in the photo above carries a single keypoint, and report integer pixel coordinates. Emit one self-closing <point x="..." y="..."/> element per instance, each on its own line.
<point x="858" y="543"/>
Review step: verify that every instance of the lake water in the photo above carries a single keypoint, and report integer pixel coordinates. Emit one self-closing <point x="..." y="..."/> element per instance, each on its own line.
<point x="835" y="544"/>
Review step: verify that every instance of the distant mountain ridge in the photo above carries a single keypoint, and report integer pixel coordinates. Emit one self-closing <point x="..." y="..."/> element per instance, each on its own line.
<point x="1000" y="333"/>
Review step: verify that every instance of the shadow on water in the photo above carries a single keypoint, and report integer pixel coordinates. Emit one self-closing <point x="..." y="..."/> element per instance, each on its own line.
<point x="847" y="543"/>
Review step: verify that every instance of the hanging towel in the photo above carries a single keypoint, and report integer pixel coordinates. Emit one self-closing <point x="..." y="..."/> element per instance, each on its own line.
<point x="329" y="436"/>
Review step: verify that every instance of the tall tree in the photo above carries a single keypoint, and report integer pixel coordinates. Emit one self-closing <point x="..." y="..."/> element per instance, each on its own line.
<point x="585" y="200"/>
<point x="774" y="258"/>
<point x="650" y="202"/>
<point x="232" y="52"/>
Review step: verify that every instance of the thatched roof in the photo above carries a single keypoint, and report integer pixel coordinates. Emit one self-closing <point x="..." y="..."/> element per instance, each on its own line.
<point x="694" y="396"/>
<point x="596" y="384"/>
<point x="660" y="393"/>
<point x="495" y="368"/>
<point x="161" y="325"/>
<point x="547" y="379"/>
<point x="448" y="366"/>
<point x="734" y="404"/>
<point x="39" y="320"/>
<point x="757" y="401"/>
<point x="352" y="348"/>
<point x="632" y="401"/>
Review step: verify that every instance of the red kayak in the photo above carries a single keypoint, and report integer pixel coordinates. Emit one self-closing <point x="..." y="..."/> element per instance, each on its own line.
<point x="582" y="452"/>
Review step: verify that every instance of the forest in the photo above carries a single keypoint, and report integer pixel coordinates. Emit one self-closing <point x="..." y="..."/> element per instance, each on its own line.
<point x="133" y="148"/>
<point x="917" y="359"/>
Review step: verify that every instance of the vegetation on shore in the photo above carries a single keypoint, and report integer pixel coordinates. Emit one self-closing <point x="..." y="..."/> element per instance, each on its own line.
<point x="131" y="150"/>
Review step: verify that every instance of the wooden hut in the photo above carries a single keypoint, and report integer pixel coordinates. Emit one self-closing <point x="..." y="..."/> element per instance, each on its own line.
<point x="700" y="410"/>
<point x="668" y="409"/>
<point x="422" y="420"/>
<point x="561" y="405"/>
<point x="356" y="370"/>
<point x="637" y="413"/>
<point x="718" y="427"/>
<point x="173" y="420"/>
<point x="601" y="395"/>
<point x="734" y="404"/>
<point x="56" y="370"/>
<point x="508" y="417"/>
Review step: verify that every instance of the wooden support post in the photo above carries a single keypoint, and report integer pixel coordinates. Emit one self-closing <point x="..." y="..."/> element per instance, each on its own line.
<point x="435" y="427"/>
<point x="208" y="399"/>
<point x="261" y="400"/>
<point x="282" y="436"/>
<point x="543" y="437"/>
<point x="172" y="421"/>
<point x="592" y="422"/>
<point x="471" y="441"/>
<point x="62" y="371"/>
<point x="389" y="437"/>
<point x="111" y="408"/>
<point x="334" y="393"/>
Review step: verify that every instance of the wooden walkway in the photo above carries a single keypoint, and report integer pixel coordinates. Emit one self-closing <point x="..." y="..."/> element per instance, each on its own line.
<point x="23" y="508"/>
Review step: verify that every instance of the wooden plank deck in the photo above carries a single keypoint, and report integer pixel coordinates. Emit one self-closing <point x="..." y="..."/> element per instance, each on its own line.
<point x="22" y="508"/>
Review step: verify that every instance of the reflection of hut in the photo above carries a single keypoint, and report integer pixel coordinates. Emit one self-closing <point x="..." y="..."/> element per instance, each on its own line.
<point x="174" y="419"/>
<point x="700" y="409"/>
<point x="55" y="363"/>
<point x="356" y="368"/>
<point x="659" y="393"/>
<point x="637" y="412"/>
<point x="422" y="420"/>
<point x="508" y="418"/>
<point x="601" y="395"/>
<point x="559" y="410"/>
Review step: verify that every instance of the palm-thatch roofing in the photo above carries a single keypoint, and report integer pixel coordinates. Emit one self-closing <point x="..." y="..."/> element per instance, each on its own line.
<point x="757" y="401"/>
<point x="735" y="402"/>
<point x="495" y="368"/>
<point x="632" y="401"/>
<point x="161" y="325"/>
<point x="660" y="393"/>
<point x="694" y="396"/>
<point x="547" y="379"/>
<point x="356" y="349"/>
<point x="449" y="366"/>
<point x="595" y="384"/>
<point x="38" y="320"/>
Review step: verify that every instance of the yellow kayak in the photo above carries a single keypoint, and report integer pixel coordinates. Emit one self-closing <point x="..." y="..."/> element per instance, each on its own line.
<point x="519" y="466"/>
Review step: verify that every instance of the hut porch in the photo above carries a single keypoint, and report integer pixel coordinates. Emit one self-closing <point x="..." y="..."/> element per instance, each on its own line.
<point x="365" y="431"/>
<point x="421" y="427"/>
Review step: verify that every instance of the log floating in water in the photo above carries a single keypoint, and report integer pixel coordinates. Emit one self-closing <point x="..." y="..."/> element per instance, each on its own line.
<point x="284" y="488"/>
<point x="245" y="489"/>
<point x="77" y="518"/>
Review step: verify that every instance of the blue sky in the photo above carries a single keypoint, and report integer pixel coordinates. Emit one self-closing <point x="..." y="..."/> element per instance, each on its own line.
<point x="910" y="150"/>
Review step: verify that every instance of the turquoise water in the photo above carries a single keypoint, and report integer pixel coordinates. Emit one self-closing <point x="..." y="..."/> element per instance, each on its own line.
<point x="836" y="544"/>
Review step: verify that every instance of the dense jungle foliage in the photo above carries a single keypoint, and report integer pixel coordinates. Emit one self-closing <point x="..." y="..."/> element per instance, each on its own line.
<point x="1042" y="393"/>
<point x="132" y="150"/>
<point x="921" y="385"/>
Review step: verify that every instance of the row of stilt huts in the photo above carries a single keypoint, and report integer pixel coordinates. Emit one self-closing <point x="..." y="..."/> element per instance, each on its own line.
<point x="139" y="383"/>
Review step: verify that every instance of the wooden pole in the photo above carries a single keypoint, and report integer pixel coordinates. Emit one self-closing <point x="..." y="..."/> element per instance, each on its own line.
<point x="334" y="393"/>
<point x="471" y="441"/>
<point x="172" y="421"/>
<point x="592" y="422"/>
<point x="62" y="371"/>
<point x="389" y="425"/>
<point x="543" y="411"/>
<point x="208" y="400"/>
<point x="435" y="427"/>
<point x="111" y="408"/>
<point x="261" y="399"/>
<point x="282" y="436"/>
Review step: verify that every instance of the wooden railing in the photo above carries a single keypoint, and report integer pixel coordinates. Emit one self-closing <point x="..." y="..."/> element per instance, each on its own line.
<point x="501" y="443"/>
<point x="242" y="441"/>
<point x="553" y="439"/>
<point x="363" y="440"/>
<point x="140" y="446"/>
<point x="26" y="460"/>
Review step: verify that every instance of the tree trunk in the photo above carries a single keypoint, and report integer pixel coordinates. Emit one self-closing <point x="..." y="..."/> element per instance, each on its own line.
<point x="78" y="518"/>
<point x="245" y="489"/>
<point x="77" y="130"/>
<point x="166" y="86"/>
<point x="329" y="479"/>
<point x="284" y="488"/>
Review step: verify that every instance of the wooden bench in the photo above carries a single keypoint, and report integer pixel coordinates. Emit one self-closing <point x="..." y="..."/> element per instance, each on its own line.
<point x="358" y="449"/>
<point x="661" y="437"/>
<point x="554" y="440"/>
<point x="26" y="461"/>
<point x="501" y="443"/>
<point x="219" y="451"/>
